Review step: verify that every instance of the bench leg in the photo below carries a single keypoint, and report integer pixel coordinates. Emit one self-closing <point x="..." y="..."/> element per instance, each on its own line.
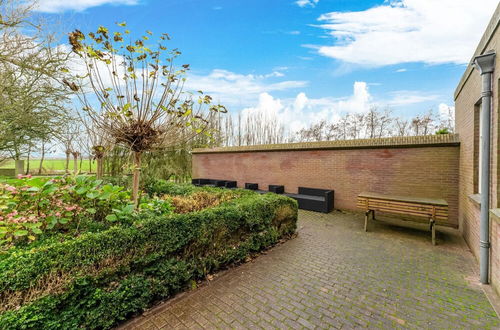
<point x="367" y="213"/>
<point x="433" y="231"/>
<point x="367" y="216"/>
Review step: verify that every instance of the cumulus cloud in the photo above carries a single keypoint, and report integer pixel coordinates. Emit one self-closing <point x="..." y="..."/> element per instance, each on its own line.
<point x="402" y="31"/>
<point x="58" y="6"/>
<point x="306" y="3"/>
<point x="301" y="111"/>
<point x="236" y="89"/>
<point x="403" y="97"/>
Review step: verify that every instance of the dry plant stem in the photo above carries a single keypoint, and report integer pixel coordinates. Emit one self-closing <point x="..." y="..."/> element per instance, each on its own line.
<point x="136" y="177"/>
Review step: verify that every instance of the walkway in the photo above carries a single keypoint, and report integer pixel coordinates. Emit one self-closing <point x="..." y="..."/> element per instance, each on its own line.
<point x="334" y="275"/>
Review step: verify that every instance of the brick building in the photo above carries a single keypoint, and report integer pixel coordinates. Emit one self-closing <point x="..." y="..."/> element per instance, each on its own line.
<point x="469" y="105"/>
<point x="449" y="167"/>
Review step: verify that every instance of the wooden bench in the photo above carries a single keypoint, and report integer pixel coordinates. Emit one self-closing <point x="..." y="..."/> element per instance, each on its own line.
<point x="434" y="210"/>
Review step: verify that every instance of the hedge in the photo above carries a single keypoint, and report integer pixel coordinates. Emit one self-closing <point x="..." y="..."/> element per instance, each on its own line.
<point x="100" y="279"/>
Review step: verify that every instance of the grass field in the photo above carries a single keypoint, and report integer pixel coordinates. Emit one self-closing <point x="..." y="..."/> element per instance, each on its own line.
<point x="52" y="165"/>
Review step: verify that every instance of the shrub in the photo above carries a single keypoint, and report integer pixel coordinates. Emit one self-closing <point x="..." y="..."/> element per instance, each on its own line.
<point x="163" y="187"/>
<point x="200" y="200"/>
<point x="99" y="279"/>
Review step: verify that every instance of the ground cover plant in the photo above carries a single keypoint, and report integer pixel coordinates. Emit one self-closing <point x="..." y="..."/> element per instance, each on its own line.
<point x="101" y="277"/>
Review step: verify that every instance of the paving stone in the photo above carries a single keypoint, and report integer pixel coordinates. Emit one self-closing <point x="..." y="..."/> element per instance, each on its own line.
<point x="334" y="275"/>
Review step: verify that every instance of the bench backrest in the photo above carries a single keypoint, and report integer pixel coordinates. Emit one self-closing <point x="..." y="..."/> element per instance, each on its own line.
<point x="231" y="184"/>
<point x="219" y="183"/>
<point x="252" y="186"/>
<point x="313" y="191"/>
<point x="201" y="181"/>
<point x="277" y="189"/>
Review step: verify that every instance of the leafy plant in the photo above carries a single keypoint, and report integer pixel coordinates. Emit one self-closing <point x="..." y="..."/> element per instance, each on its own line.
<point x="31" y="207"/>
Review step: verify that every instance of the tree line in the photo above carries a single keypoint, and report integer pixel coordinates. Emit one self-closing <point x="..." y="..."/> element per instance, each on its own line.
<point x="252" y="128"/>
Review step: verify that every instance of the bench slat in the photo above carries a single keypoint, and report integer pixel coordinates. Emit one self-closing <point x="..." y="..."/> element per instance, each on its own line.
<point x="417" y="200"/>
<point x="413" y="206"/>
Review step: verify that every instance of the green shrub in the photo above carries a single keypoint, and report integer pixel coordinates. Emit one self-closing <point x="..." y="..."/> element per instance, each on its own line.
<point x="100" y="279"/>
<point x="163" y="187"/>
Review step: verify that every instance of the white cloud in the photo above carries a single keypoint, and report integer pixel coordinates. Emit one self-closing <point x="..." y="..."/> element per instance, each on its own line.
<point x="403" y="97"/>
<point x="236" y="89"/>
<point x="402" y="31"/>
<point x="300" y="112"/>
<point x="58" y="6"/>
<point x="401" y="70"/>
<point x="305" y="3"/>
<point x="446" y="112"/>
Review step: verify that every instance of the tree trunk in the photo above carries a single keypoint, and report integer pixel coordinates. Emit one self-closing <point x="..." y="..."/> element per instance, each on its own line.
<point x="81" y="164"/>
<point x="90" y="164"/>
<point x="28" y="163"/>
<point x="100" y="167"/>
<point x="66" y="167"/>
<point x="136" y="178"/>
<point x="40" y="167"/>
<point x="75" y="163"/>
<point x="19" y="166"/>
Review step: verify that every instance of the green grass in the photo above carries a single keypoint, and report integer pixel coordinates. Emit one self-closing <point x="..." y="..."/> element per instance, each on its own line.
<point x="51" y="165"/>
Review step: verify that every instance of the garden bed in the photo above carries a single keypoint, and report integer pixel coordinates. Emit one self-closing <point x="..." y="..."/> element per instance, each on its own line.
<point x="100" y="278"/>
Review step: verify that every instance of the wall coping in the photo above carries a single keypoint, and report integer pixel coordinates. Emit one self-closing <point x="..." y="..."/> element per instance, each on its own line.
<point x="481" y="48"/>
<point x="447" y="140"/>
<point x="495" y="215"/>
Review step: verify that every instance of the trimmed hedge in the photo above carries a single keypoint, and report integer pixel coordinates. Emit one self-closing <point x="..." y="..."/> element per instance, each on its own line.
<point x="100" y="279"/>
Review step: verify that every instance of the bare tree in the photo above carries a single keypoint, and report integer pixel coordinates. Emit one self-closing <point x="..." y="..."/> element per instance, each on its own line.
<point x="423" y="124"/>
<point x="401" y="126"/>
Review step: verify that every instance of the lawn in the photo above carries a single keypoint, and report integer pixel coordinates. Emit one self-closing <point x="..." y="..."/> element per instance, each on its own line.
<point x="52" y="165"/>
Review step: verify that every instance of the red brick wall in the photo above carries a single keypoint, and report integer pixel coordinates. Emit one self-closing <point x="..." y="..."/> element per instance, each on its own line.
<point x="415" y="171"/>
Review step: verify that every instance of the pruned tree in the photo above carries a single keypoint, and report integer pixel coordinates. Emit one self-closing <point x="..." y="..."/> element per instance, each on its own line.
<point x="97" y="142"/>
<point x="68" y="136"/>
<point x="137" y="95"/>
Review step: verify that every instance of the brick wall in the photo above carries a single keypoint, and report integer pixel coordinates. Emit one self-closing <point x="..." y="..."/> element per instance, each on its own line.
<point x="426" y="168"/>
<point x="467" y="96"/>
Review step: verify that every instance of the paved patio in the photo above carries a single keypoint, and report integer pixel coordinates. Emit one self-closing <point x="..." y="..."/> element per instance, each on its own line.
<point x="334" y="275"/>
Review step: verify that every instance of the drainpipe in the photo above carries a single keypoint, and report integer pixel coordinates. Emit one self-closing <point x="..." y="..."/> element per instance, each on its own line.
<point x="485" y="64"/>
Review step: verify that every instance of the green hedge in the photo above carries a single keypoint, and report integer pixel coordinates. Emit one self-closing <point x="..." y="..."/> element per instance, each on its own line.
<point x="101" y="279"/>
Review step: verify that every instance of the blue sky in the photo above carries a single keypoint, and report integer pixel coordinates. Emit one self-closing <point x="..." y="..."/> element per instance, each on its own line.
<point x="306" y="59"/>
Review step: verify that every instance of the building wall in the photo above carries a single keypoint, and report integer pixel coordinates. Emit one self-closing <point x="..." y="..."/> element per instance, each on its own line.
<point x="467" y="97"/>
<point x="425" y="171"/>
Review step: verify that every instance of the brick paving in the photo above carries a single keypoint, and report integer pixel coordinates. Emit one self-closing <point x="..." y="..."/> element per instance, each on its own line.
<point x="334" y="275"/>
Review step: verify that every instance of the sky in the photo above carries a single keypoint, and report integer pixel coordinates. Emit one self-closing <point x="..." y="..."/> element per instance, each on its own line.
<point x="306" y="60"/>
